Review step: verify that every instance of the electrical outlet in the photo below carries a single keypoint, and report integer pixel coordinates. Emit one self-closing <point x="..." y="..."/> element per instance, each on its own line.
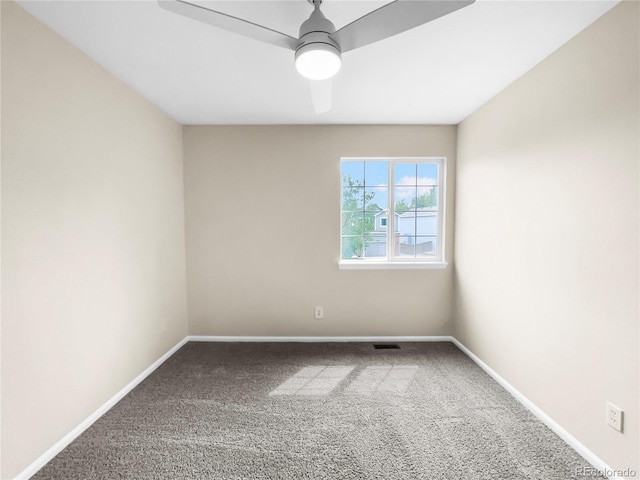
<point x="615" y="417"/>
<point x="319" y="312"/>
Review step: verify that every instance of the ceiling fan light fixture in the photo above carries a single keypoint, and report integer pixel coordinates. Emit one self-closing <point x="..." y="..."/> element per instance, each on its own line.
<point x="318" y="61"/>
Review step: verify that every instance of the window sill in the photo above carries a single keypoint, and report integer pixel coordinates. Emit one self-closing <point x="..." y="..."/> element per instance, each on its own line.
<point x="360" y="265"/>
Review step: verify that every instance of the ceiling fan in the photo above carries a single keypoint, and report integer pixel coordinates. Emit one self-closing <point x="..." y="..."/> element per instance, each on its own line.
<point x="319" y="46"/>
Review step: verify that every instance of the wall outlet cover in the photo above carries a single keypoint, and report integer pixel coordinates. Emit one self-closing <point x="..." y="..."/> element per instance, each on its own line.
<point x="615" y="417"/>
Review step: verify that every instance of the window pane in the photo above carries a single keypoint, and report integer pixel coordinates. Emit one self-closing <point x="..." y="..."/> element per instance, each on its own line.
<point x="376" y="174"/>
<point x="352" y="173"/>
<point x="426" y="223"/>
<point x="406" y="223"/>
<point x="425" y="246"/>
<point x="353" y="223"/>
<point x="376" y="198"/>
<point x="427" y="197"/>
<point x="427" y="174"/>
<point x="352" y="198"/>
<point x="405" y="198"/>
<point x="369" y="222"/>
<point x="352" y="248"/>
<point x="376" y="247"/>
<point x="405" y="246"/>
<point x="404" y="174"/>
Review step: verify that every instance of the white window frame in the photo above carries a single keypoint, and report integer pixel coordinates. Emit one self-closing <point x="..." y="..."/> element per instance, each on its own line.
<point x="390" y="261"/>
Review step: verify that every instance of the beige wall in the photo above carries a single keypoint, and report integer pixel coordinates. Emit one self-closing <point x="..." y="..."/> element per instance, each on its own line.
<point x="93" y="268"/>
<point x="262" y="225"/>
<point x="547" y="234"/>
<point x="0" y="242"/>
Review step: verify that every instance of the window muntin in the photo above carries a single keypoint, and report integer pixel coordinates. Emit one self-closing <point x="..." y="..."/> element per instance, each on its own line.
<point x="408" y="194"/>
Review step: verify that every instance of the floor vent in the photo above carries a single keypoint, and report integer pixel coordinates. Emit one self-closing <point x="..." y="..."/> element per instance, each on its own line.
<point x="386" y="346"/>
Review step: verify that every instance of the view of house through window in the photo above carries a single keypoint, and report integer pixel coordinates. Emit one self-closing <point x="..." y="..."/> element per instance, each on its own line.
<point x="391" y="210"/>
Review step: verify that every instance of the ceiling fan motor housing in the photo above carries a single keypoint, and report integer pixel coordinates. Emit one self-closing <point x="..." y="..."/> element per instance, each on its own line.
<point x="315" y="34"/>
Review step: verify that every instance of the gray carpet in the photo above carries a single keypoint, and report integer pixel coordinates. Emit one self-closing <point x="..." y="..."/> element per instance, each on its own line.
<point x="317" y="411"/>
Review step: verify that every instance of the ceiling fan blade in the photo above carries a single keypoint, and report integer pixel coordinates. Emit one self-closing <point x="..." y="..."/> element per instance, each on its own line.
<point x="229" y="23"/>
<point x="321" y="93"/>
<point x="393" y="18"/>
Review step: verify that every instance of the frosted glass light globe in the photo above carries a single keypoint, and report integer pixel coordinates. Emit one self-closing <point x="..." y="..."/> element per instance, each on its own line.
<point x="318" y="61"/>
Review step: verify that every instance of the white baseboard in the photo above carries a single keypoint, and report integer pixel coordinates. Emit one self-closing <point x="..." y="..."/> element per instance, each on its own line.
<point x="47" y="456"/>
<point x="584" y="452"/>
<point x="543" y="417"/>
<point x="215" y="338"/>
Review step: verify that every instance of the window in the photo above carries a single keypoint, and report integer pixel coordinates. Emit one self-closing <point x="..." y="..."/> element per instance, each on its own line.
<point x="392" y="213"/>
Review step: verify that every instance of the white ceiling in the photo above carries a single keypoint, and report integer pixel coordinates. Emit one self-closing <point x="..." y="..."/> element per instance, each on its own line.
<point x="434" y="74"/>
